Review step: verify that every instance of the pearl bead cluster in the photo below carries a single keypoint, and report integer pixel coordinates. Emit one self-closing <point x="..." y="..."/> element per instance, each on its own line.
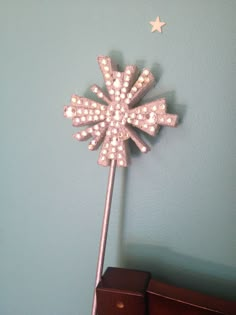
<point x="129" y="77"/>
<point x="107" y="69"/>
<point x="100" y="94"/>
<point x="84" y="111"/>
<point x="140" y="88"/>
<point x="117" y="83"/>
<point x="149" y="116"/>
<point x="97" y="132"/>
<point x="113" y="148"/>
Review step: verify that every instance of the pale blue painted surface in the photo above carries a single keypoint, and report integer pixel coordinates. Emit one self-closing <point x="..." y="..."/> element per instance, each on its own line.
<point x="173" y="210"/>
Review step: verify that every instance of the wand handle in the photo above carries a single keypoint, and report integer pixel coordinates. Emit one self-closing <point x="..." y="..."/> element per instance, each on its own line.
<point x="105" y="224"/>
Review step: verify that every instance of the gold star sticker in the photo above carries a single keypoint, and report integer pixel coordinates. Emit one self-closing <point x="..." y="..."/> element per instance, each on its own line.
<point x="157" y="25"/>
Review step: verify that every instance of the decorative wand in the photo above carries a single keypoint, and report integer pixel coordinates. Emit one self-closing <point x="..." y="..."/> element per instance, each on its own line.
<point x="111" y="126"/>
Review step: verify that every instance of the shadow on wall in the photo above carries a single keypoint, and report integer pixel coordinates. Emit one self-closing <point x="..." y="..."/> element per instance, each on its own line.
<point x="171" y="267"/>
<point x="181" y="270"/>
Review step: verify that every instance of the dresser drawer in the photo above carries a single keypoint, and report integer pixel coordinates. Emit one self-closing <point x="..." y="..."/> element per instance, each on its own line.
<point x="164" y="299"/>
<point x="164" y="306"/>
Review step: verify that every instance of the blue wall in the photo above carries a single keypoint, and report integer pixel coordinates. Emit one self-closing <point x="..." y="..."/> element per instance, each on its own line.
<point x="173" y="210"/>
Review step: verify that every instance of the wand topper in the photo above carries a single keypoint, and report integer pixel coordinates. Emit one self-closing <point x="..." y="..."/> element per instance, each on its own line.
<point x="110" y="125"/>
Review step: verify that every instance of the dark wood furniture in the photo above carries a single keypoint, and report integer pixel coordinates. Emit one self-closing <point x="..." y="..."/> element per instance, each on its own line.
<point x="133" y="292"/>
<point x="122" y="291"/>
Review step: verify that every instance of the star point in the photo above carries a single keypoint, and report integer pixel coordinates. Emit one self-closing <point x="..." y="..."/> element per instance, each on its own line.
<point x="157" y="25"/>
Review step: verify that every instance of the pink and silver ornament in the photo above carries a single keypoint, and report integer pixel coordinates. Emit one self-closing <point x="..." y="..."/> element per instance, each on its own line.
<point x="111" y="125"/>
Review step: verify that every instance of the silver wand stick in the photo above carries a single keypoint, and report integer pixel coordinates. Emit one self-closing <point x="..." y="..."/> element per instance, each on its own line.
<point x="105" y="224"/>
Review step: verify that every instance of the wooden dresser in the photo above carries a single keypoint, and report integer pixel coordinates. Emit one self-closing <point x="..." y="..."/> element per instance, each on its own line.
<point x="133" y="292"/>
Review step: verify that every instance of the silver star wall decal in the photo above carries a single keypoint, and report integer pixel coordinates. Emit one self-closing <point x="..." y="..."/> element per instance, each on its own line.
<point x="157" y="25"/>
<point x="111" y="125"/>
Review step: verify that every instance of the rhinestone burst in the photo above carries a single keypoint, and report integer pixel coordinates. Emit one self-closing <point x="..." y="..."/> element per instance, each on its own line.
<point x="110" y="125"/>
